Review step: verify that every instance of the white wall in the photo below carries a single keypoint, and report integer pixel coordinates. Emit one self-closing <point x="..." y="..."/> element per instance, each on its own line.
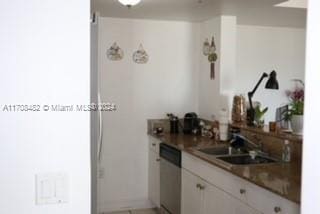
<point x="227" y="62"/>
<point x="263" y="49"/>
<point x="244" y="53"/>
<point x="94" y="116"/>
<point x="216" y="94"/>
<point x="311" y="147"/>
<point x="168" y="83"/>
<point x="209" y="90"/>
<point x="44" y="59"/>
<point x="177" y="79"/>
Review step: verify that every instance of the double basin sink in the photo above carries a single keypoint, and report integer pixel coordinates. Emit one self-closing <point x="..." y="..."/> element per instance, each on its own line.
<point x="236" y="157"/>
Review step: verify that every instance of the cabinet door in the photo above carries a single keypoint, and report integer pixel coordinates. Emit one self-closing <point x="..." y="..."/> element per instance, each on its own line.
<point x="154" y="144"/>
<point x="216" y="201"/>
<point x="154" y="178"/>
<point x="192" y="196"/>
<point x="242" y="208"/>
<point x="269" y="203"/>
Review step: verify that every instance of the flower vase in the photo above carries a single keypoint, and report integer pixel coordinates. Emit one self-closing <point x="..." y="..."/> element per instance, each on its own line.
<point x="297" y="124"/>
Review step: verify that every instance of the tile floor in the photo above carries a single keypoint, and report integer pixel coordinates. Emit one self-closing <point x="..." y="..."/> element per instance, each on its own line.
<point x="146" y="211"/>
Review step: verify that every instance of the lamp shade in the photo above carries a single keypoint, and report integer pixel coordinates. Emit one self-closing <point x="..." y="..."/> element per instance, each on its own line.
<point x="272" y="82"/>
<point x="129" y="2"/>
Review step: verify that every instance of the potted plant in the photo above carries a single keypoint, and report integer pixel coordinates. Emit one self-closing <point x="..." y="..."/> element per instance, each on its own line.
<point x="259" y="116"/>
<point x="296" y="106"/>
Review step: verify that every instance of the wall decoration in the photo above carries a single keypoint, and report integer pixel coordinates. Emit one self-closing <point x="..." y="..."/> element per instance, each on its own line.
<point x="206" y="47"/>
<point x="140" y="56"/>
<point x="115" y="53"/>
<point x="212" y="57"/>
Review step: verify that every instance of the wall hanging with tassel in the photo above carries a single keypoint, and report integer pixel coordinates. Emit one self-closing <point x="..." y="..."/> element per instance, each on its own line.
<point x="210" y="51"/>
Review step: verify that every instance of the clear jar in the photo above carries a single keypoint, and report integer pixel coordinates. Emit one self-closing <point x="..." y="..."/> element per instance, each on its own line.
<point x="239" y="109"/>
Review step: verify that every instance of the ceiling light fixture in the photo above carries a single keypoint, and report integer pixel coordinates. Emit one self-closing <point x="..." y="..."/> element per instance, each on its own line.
<point x="129" y="3"/>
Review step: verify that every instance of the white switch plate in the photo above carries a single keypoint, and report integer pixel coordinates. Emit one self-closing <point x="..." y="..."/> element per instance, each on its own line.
<point x="51" y="188"/>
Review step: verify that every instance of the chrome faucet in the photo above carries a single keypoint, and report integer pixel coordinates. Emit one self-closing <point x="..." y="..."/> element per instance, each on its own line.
<point x="251" y="145"/>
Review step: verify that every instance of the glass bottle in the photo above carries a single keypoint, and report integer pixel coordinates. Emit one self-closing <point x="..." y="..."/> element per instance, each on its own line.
<point x="286" y="151"/>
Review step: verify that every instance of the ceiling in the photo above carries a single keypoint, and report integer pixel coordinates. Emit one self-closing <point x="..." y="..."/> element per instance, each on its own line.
<point x="294" y="4"/>
<point x="250" y="12"/>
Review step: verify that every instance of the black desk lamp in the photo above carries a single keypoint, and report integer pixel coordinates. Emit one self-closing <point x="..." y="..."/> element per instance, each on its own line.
<point x="272" y="83"/>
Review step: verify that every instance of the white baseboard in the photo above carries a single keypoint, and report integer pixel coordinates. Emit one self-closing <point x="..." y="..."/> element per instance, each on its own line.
<point x="113" y="206"/>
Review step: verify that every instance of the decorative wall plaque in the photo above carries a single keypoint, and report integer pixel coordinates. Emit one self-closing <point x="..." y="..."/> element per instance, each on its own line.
<point x="115" y="53"/>
<point x="140" y="56"/>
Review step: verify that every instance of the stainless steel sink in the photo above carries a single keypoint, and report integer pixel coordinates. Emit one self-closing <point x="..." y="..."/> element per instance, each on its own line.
<point x="229" y="158"/>
<point x="246" y="159"/>
<point x="220" y="150"/>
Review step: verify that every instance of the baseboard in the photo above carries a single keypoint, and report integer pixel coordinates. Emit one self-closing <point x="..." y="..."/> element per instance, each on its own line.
<point x="113" y="206"/>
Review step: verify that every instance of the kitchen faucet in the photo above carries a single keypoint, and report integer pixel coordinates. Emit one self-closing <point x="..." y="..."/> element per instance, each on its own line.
<point x="258" y="147"/>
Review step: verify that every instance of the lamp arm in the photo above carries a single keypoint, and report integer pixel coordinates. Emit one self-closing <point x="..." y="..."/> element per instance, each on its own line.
<point x="251" y="93"/>
<point x="250" y="100"/>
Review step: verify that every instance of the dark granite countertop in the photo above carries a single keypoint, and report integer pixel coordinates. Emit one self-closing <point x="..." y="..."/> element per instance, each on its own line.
<point x="283" y="179"/>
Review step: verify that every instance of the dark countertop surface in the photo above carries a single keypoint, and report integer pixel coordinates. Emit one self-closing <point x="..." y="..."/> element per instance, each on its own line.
<point x="283" y="179"/>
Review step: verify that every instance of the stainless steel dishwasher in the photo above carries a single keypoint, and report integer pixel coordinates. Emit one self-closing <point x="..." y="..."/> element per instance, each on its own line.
<point x="170" y="179"/>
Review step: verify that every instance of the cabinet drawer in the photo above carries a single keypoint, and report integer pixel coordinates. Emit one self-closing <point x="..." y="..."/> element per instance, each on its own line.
<point x="268" y="202"/>
<point x="154" y="144"/>
<point x="216" y="176"/>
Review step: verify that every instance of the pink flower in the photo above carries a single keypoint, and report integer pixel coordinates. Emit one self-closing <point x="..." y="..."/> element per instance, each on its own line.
<point x="296" y="95"/>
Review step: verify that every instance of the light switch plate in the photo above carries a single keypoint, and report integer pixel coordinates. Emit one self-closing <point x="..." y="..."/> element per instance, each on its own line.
<point x="51" y="188"/>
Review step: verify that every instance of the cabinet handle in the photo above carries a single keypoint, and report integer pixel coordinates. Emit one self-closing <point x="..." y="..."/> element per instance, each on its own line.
<point x="242" y="191"/>
<point x="277" y="209"/>
<point x="202" y="187"/>
<point x="158" y="159"/>
<point x="153" y="144"/>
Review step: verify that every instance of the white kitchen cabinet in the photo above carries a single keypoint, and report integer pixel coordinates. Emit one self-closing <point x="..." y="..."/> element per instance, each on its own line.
<point x="224" y="189"/>
<point x="217" y="201"/>
<point x="154" y="171"/>
<point x="154" y="144"/>
<point x="201" y="197"/>
<point x="241" y="208"/>
<point x="191" y="195"/>
<point x="269" y="203"/>
<point x="216" y="176"/>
